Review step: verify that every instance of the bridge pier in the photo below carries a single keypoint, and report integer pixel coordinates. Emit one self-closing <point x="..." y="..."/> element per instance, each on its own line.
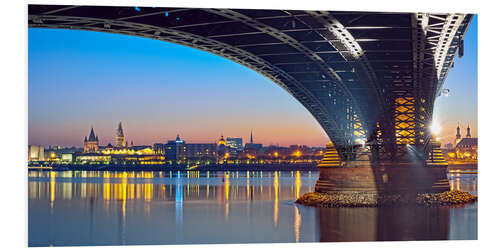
<point x="383" y="179"/>
<point x="331" y="157"/>
<point x="374" y="182"/>
<point x="436" y="157"/>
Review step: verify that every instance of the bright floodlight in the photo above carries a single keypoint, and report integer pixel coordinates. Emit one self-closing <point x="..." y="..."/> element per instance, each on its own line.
<point x="435" y="128"/>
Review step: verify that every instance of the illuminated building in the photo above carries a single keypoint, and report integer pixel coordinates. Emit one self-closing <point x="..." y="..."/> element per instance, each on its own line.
<point x="171" y="148"/>
<point x="221" y="149"/>
<point x="92" y="158"/>
<point x="466" y="149"/>
<point x="197" y="153"/>
<point x="159" y="148"/>
<point x="36" y="153"/>
<point x="53" y="155"/>
<point x="67" y="157"/>
<point x="133" y="150"/>
<point x="179" y="152"/>
<point x="234" y="144"/>
<point x="136" y="159"/>
<point x="221" y="141"/>
<point x="120" y="137"/>
<point x="92" y="143"/>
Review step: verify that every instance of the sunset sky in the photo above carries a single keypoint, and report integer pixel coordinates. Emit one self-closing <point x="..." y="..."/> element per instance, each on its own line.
<point x="78" y="79"/>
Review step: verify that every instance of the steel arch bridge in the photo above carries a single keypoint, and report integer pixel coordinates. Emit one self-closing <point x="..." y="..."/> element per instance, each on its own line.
<point x="369" y="78"/>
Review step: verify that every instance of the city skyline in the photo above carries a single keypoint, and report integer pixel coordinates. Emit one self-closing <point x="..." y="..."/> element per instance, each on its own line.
<point x="130" y="141"/>
<point x="81" y="78"/>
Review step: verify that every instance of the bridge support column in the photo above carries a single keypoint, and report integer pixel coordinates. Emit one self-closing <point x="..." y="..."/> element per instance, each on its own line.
<point x="331" y="157"/>
<point x="376" y="183"/>
<point x="436" y="157"/>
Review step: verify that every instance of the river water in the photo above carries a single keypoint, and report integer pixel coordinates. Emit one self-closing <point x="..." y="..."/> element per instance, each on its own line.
<point x="126" y="208"/>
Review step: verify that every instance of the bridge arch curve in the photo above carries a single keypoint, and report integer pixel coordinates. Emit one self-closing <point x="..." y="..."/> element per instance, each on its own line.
<point x="319" y="57"/>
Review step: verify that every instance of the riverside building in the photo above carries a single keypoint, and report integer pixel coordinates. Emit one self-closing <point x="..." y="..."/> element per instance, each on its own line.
<point x="179" y="152"/>
<point x="234" y="145"/>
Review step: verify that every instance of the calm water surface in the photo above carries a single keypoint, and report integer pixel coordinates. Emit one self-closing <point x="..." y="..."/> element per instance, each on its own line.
<point x="116" y="208"/>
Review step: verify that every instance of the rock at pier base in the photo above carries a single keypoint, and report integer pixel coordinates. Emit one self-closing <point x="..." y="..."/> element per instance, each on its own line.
<point x="372" y="199"/>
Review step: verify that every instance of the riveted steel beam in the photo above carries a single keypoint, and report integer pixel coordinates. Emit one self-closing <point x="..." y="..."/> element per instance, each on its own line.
<point x="328" y="71"/>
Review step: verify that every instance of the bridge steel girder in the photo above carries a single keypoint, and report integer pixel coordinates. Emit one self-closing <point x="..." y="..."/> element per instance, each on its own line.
<point x="353" y="54"/>
<point x="437" y="39"/>
<point x="347" y="68"/>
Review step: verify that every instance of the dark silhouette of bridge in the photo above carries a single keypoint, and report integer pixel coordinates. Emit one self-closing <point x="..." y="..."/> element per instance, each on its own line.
<point x="369" y="78"/>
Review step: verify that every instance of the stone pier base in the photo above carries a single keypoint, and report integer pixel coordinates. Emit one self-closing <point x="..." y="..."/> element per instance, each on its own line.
<point x="370" y="199"/>
<point x="383" y="179"/>
<point x="383" y="184"/>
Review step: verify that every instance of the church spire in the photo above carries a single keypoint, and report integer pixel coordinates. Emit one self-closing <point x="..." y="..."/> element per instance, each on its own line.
<point x="468" y="132"/>
<point x="120" y="137"/>
<point x="92" y="136"/>
<point x="251" y="136"/>
<point x="119" y="131"/>
<point x="458" y="136"/>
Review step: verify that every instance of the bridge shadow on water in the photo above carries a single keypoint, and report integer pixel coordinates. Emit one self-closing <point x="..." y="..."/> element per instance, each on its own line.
<point x="386" y="223"/>
<point x="400" y="223"/>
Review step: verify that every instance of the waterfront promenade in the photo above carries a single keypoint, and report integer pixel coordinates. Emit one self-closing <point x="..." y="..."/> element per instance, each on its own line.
<point x="454" y="166"/>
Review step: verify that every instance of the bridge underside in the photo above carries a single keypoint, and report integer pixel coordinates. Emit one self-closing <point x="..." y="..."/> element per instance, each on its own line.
<point x="370" y="79"/>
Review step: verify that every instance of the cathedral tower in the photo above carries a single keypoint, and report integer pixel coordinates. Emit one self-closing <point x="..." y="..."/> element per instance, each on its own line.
<point x="92" y="143"/>
<point x="120" y="137"/>
<point x="468" y="132"/>
<point x="458" y="136"/>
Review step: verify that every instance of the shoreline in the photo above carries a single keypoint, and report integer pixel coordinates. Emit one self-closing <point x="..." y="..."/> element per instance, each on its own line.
<point x="260" y="167"/>
<point x="253" y="167"/>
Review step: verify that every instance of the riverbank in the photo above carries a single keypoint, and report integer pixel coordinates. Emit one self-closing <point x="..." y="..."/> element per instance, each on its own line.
<point x="462" y="165"/>
<point x="256" y="167"/>
<point x="246" y="167"/>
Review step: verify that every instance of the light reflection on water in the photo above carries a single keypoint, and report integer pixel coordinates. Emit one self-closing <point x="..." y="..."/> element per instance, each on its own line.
<point x="111" y="208"/>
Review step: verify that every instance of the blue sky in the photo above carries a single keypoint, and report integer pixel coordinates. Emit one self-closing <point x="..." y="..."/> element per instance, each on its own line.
<point x="78" y="79"/>
<point x="461" y="104"/>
